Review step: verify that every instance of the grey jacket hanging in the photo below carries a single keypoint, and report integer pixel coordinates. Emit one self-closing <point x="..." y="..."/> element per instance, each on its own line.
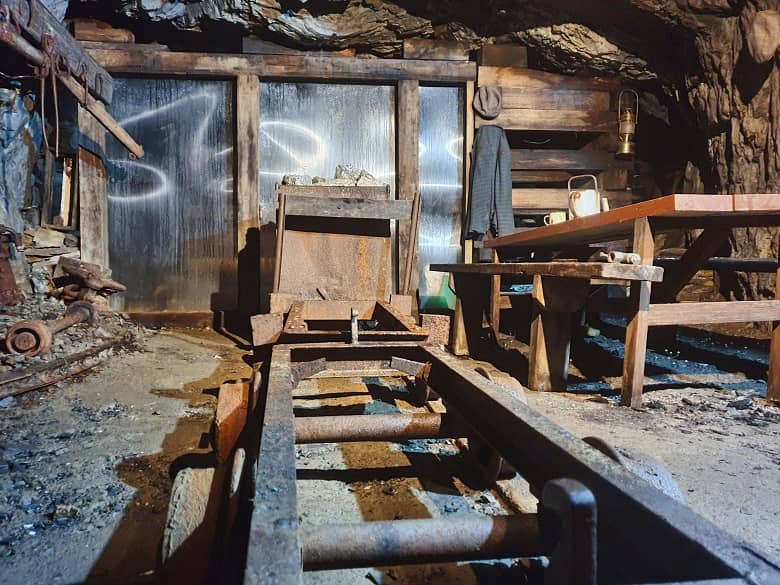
<point x="491" y="185"/>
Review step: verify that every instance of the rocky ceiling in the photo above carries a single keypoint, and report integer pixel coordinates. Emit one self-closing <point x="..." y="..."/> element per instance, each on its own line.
<point x="636" y="39"/>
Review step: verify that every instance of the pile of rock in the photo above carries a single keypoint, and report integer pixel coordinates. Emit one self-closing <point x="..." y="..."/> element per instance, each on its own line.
<point x="346" y="175"/>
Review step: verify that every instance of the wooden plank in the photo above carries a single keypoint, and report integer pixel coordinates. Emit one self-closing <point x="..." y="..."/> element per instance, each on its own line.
<point x="230" y="417"/>
<point x="539" y="200"/>
<point x="764" y="202"/>
<point x="432" y="49"/>
<point x="248" y="158"/>
<point x="616" y="223"/>
<point x="555" y="159"/>
<point x="259" y="46"/>
<point x="349" y="208"/>
<point x="585" y="270"/>
<point x="36" y="20"/>
<point x="773" y="376"/>
<point x="90" y="29"/>
<point x="560" y="99"/>
<point x="503" y="55"/>
<point x="541" y="176"/>
<point x="274" y="549"/>
<point x="636" y="330"/>
<point x="535" y="79"/>
<point x="336" y="191"/>
<point x="554" y="301"/>
<point x="570" y="120"/>
<point x="408" y="163"/>
<point x="714" y="312"/>
<point x="282" y="66"/>
<point x="689" y="264"/>
<point x="92" y="198"/>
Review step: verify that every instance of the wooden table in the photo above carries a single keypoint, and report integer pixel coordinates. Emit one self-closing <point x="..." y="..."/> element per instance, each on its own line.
<point x="652" y="306"/>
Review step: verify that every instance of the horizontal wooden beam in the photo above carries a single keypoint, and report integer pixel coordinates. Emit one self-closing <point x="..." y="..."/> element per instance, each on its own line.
<point x="560" y="99"/>
<point x="715" y="312"/>
<point x="586" y="270"/>
<point x="541" y="176"/>
<point x="566" y="120"/>
<point x="534" y="79"/>
<point x="552" y="159"/>
<point x="348" y="208"/>
<point x="313" y="66"/>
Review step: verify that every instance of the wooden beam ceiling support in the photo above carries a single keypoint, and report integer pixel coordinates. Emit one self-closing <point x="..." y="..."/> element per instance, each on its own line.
<point x="147" y="61"/>
<point x="32" y="17"/>
<point x="96" y="108"/>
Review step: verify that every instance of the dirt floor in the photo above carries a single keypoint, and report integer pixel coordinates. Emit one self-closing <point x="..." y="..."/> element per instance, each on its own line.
<point x="86" y="467"/>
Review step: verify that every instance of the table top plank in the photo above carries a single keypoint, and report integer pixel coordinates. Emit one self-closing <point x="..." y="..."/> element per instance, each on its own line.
<point x="587" y="270"/>
<point x="619" y="223"/>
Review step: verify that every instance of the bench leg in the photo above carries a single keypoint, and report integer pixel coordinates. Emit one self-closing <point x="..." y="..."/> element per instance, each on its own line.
<point x="636" y="332"/>
<point x="473" y="297"/>
<point x="773" y="379"/>
<point x="555" y="299"/>
<point x="636" y="346"/>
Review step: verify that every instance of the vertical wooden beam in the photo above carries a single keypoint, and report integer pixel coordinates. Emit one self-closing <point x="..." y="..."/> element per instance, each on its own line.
<point x="93" y="200"/>
<point x="555" y="300"/>
<point x="773" y="379"/>
<point x="636" y="331"/>
<point x="495" y="299"/>
<point x="458" y="342"/>
<point x="408" y="162"/>
<point x="247" y="155"/>
<point x="247" y="188"/>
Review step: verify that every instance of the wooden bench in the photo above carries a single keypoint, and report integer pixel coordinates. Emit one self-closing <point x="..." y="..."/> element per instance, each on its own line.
<point x="559" y="289"/>
<point x="653" y="306"/>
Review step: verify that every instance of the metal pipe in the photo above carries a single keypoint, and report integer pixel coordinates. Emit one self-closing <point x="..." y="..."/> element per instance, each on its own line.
<point x="407" y="542"/>
<point x="374" y="427"/>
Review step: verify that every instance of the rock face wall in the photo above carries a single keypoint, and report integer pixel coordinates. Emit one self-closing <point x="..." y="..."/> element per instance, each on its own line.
<point x="716" y="61"/>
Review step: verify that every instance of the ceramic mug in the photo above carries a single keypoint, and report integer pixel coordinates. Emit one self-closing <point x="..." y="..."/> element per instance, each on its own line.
<point x="584" y="202"/>
<point x="555" y="217"/>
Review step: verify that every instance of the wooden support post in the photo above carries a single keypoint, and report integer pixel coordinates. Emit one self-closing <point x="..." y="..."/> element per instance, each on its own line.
<point x="773" y="379"/>
<point x="458" y="342"/>
<point x="636" y="331"/>
<point x="247" y="155"/>
<point x="495" y="300"/>
<point x="473" y="301"/>
<point x="280" y="215"/>
<point x="555" y="299"/>
<point x="408" y="163"/>
<point x="247" y="161"/>
<point x="92" y="190"/>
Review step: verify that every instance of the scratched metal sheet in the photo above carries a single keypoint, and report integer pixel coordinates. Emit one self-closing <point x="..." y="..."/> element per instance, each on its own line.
<point x="308" y="129"/>
<point x="172" y="213"/>
<point x="441" y="187"/>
